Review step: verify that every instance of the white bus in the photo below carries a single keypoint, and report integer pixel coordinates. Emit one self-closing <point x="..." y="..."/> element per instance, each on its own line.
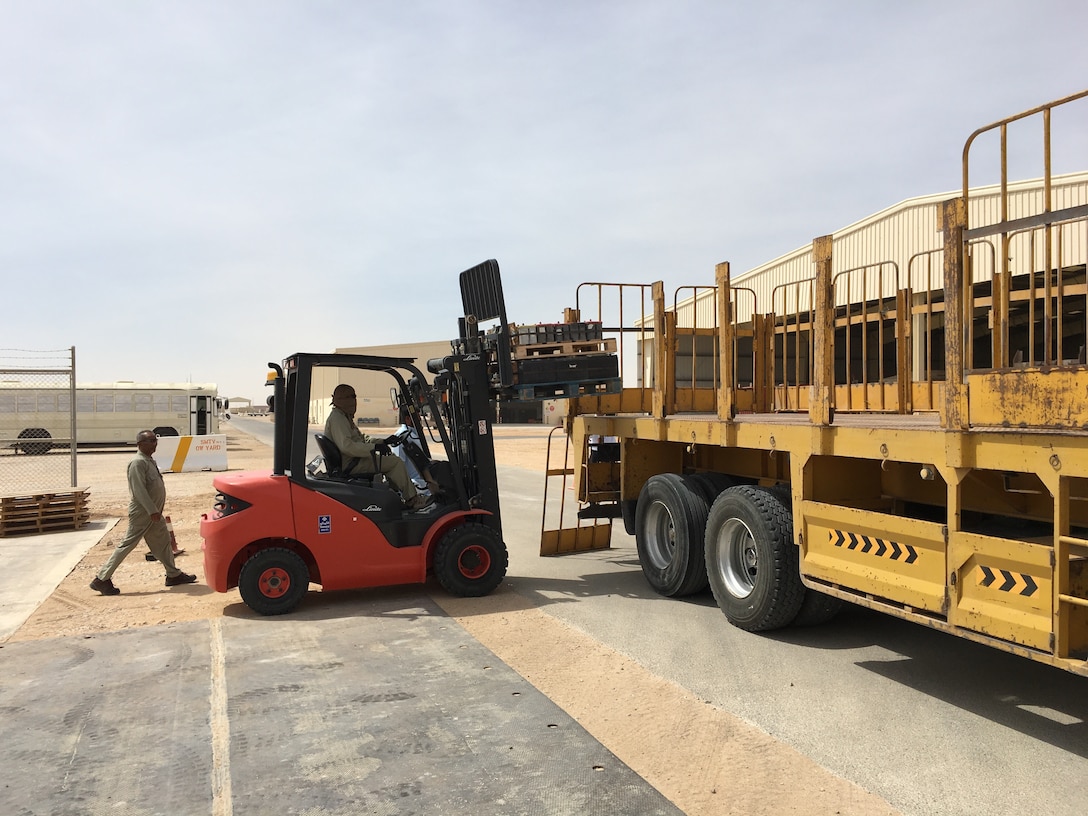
<point x="103" y="413"/>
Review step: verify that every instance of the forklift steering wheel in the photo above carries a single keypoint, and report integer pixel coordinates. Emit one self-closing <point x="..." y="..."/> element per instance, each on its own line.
<point x="398" y="438"/>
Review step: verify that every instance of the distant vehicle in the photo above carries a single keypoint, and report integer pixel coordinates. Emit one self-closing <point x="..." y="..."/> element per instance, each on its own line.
<point x="35" y="419"/>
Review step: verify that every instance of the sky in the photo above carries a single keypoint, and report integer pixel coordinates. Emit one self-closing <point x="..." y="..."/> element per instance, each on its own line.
<point x="194" y="189"/>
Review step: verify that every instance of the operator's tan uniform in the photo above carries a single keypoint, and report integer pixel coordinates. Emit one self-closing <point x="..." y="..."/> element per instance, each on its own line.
<point x="354" y="443"/>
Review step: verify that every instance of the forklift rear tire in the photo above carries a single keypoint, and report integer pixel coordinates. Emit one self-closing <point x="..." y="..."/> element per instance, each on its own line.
<point x="470" y="560"/>
<point x="273" y="581"/>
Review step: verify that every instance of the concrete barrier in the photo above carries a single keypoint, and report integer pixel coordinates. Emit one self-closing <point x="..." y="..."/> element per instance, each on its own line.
<point x="181" y="454"/>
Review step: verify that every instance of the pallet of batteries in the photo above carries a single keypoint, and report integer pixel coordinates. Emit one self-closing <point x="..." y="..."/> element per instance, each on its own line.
<point x="564" y="360"/>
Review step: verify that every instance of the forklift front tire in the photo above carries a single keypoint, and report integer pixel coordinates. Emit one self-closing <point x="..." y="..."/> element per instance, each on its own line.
<point x="273" y="581"/>
<point x="470" y="560"/>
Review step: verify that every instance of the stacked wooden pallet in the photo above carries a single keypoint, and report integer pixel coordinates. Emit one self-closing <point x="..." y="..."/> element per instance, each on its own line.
<point x="43" y="512"/>
<point x="564" y="360"/>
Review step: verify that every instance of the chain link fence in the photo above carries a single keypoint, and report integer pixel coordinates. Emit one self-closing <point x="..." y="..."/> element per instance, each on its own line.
<point x="37" y="421"/>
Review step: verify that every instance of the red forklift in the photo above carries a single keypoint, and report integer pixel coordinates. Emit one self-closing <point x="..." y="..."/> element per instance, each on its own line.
<point x="272" y="533"/>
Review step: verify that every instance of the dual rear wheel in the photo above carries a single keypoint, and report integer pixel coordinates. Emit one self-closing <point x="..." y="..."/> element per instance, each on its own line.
<point x="669" y="521"/>
<point x="699" y="529"/>
<point x="751" y="559"/>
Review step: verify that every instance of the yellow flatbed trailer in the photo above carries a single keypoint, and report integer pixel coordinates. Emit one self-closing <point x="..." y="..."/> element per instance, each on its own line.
<point x="918" y="448"/>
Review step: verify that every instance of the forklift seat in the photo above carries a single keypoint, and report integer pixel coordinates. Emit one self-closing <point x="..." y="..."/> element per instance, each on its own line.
<point x="334" y="464"/>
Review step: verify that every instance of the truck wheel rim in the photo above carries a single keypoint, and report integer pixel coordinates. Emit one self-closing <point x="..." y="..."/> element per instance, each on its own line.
<point x="274" y="582"/>
<point x="474" y="561"/>
<point x="738" y="560"/>
<point x="660" y="535"/>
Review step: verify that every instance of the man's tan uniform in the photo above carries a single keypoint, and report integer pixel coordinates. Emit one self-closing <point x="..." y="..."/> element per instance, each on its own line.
<point x="354" y="443"/>
<point x="148" y="494"/>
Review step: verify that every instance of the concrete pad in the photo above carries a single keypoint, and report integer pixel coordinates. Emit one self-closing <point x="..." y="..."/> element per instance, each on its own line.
<point x="382" y="705"/>
<point x="32" y="566"/>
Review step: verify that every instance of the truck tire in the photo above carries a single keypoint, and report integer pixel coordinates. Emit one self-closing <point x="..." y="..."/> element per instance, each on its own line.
<point x="670" y="520"/>
<point x="711" y="484"/>
<point x="817" y="608"/>
<point x="628" y="507"/>
<point x="470" y="560"/>
<point x="273" y="581"/>
<point x="784" y="491"/>
<point x="35" y="448"/>
<point x="751" y="560"/>
<point x="165" y="430"/>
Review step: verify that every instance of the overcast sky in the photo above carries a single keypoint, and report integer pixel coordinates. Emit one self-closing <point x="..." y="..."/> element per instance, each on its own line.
<point x="192" y="189"/>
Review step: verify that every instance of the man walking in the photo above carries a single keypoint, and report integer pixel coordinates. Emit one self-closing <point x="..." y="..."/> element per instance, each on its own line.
<point x="145" y="520"/>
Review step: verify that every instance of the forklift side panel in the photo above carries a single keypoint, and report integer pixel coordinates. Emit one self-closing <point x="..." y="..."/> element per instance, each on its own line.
<point x="349" y="548"/>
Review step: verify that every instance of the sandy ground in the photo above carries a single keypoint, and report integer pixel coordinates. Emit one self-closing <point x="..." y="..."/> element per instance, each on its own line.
<point x="704" y="759"/>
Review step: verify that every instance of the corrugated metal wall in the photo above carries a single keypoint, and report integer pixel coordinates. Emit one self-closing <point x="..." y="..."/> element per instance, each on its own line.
<point x="896" y="235"/>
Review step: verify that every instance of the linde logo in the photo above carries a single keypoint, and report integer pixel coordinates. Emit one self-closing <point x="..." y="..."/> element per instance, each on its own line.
<point x="372" y="509"/>
<point x="471" y="357"/>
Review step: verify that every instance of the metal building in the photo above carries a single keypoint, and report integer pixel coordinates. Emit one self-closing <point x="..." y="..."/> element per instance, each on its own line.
<point x="372" y="388"/>
<point x="907" y="236"/>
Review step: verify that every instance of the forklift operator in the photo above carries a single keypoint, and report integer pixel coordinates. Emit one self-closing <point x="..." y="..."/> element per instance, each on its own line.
<point x="341" y="429"/>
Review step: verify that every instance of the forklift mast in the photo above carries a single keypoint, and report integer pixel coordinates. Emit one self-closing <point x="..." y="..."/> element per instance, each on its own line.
<point x="472" y="379"/>
<point x="462" y="390"/>
<point x="461" y="400"/>
<point x="482" y="298"/>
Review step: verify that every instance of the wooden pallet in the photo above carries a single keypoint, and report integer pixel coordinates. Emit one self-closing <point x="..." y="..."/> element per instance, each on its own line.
<point x="567" y="349"/>
<point x="43" y="512"/>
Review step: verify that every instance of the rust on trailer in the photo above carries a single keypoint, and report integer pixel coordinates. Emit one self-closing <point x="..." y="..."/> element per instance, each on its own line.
<point x="1055" y="399"/>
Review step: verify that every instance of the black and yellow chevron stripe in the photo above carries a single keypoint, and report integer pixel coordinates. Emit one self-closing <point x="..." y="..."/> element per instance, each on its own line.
<point x="874" y="546"/>
<point x="1007" y="581"/>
